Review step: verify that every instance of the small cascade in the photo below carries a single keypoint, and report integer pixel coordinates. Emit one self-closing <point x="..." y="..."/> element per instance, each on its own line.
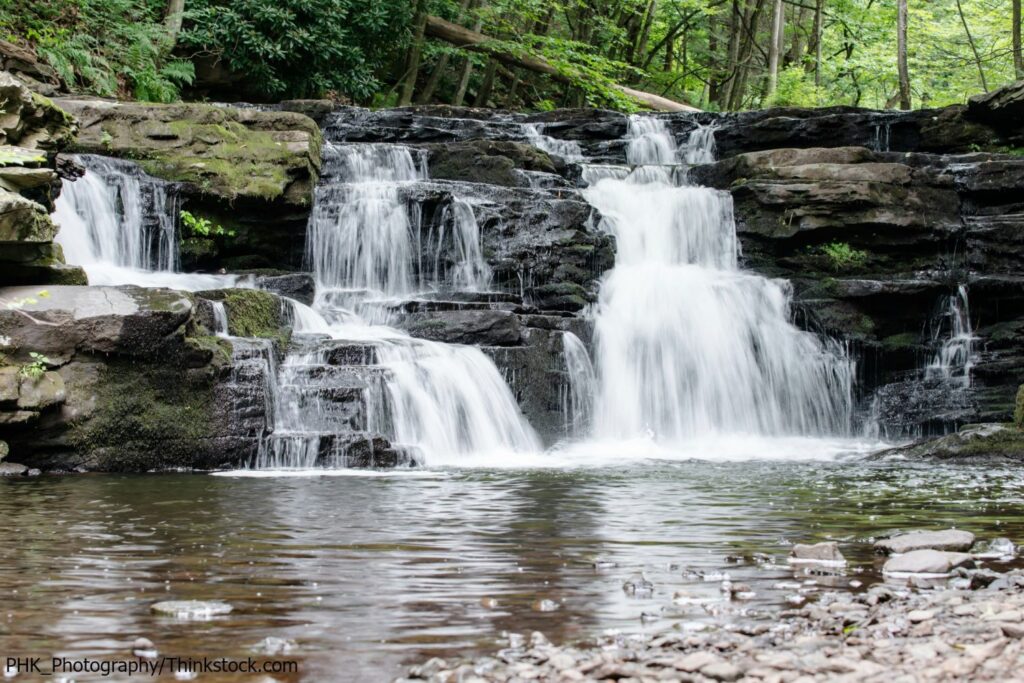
<point x="687" y="344"/>
<point x="348" y="381"/>
<point x="470" y="272"/>
<point x="581" y="388"/>
<point x="569" y="150"/>
<point x="220" y="318"/>
<point x="119" y="224"/>
<point x="955" y="342"/>
<point x="700" y="147"/>
<point x="362" y="232"/>
<point x="116" y="215"/>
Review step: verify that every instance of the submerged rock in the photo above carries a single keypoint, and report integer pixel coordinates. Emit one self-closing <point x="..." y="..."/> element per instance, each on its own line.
<point x="973" y="443"/>
<point x="199" y="610"/>
<point x="948" y="539"/>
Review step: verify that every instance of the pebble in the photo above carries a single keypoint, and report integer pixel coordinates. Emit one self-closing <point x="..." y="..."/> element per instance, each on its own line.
<point x="144" y="647"/>
<point x="918" y="615"/>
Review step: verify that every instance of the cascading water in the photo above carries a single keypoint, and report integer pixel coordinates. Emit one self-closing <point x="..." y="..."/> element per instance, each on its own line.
<point x="567" y="149"/>
<point x="365" y="243"/>
<point x="687" y="344"/>
<point x="116" y="215"/>
<point x="581" y="387"/>
<point x="955" y="355"/>
<point x="119" y="224"/>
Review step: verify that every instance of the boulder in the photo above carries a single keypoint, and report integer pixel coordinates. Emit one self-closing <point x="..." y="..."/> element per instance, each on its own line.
<point x="826" y="553"/>
<point x="298" y="286"/>
<point x="28" y="119"/>
<point x="251" y="313"/>
<point x="487" y="161"/>
<point x="224" y="152"/>
<point x="39" y="393"/>
<point x="926" y="562"/>
<point x="948" y="539"/>
<point x="1002" y="108"/>
<point x="973" y="443"/>
<point x="481" y="327"/>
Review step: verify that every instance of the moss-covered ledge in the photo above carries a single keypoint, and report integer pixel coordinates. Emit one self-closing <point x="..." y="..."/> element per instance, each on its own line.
<point x="226" y="153"/>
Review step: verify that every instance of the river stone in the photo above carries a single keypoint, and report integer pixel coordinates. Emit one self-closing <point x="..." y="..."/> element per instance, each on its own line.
<point x="819" y="553"/>
<point x="12" y="469"/>
<point x="948" y="539"/>
<point x="192" y="609"/>
<point x="722" y="671"/>
<point x="925" y="562"/>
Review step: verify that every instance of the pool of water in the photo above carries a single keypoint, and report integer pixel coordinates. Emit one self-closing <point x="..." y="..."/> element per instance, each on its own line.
<point x="368" y="574"/>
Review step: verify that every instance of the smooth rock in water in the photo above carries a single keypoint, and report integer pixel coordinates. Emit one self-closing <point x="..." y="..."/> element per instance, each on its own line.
<point x="144" y="647"/>
<point x="192" y="609"/>
<point x="272" y="646"/>
<point x="998" y="547"/>
<point x="545" y="605"/>
<point x="925" y="562"/>
<point x="638" y="585"/>
<point x="12" y="469"/>
<point x="950" y="539"/>
<point x="819" y="553"/>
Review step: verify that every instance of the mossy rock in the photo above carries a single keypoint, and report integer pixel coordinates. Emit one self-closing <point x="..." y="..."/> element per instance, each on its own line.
<point x="252" y="313"/>
<point x="225" y="152"/>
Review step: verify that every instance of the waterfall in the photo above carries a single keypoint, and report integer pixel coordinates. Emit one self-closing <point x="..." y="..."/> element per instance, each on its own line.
<point x="220" y="318"/>
<point x="119" y="224"/>
<point x="578" y="400"/>
<point x="687" y="344"/>
<point x="567" y="149"/>
<point x="471" y="272"/>
<point x="955" y="354"/>
<point x="117" y="215"/>
<point x="442" y="401"/>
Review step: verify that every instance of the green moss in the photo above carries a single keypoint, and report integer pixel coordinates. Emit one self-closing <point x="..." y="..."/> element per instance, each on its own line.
<point x="220" y="349"/>
<point x="900" y="342"/>
<point x="1018" y="409"/>
<point x="252" y="313"/>
<point x="145" y="417"/>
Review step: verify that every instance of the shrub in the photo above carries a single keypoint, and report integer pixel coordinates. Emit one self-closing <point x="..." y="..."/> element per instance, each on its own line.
<point x="842" y="256"/>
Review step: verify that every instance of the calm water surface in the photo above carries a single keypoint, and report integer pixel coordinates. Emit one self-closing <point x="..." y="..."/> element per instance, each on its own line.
<point x="370" y="574"/>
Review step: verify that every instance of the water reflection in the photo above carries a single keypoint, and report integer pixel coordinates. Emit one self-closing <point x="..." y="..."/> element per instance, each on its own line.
<point x="369" y="574"/>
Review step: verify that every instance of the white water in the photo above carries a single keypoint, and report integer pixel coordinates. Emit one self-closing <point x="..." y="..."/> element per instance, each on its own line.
<point x="120" y="225"/>
<point x="220" y="318"/>
<point x="955" y="356"/>
<point x="447" y="402"/>
<point x="567" y="149"/>
<point x="578" y="401"/>
<point x="688" y="346"/>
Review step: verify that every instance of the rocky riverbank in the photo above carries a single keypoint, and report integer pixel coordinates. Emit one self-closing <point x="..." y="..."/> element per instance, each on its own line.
<point x="965" y="625"/>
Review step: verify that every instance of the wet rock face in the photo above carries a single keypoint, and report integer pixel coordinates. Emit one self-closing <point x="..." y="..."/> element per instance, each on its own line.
<point x="131" y="382"/>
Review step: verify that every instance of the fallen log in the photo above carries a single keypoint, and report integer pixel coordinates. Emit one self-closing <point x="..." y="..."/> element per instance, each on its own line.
<point x="466" y="39"/>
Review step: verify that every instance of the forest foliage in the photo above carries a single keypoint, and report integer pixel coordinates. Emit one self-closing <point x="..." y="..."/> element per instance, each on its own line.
<point x="712" y="54"/>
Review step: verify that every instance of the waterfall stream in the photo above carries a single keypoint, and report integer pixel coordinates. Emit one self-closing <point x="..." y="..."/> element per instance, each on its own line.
<point x="687" y="344"/>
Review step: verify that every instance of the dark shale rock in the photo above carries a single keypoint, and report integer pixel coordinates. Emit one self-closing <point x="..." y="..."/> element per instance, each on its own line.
<point x="487" y="161"/>
<point x="480" y="327"/>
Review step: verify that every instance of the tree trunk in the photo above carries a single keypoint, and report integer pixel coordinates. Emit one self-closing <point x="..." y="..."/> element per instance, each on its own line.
<point x="467" y="68"/>
<point x="172" y="18"/>
<point x="819" y="9"/>
<point x="974" y="48"/>
<point x="901" y="53"/>
<point x="478" y="42"/>
<point x="1018" y="56"/>
<point x="774" y="43"/>
<point x="484" y="93"/>
<point x="442" y="65"/>
<point x="412" y="64"/>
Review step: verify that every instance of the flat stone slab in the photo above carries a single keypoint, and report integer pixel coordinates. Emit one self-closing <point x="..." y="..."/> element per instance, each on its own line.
<point x="948" y="539"/>
<point x="192" y="609"/>
<point x="925" y="562"/>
